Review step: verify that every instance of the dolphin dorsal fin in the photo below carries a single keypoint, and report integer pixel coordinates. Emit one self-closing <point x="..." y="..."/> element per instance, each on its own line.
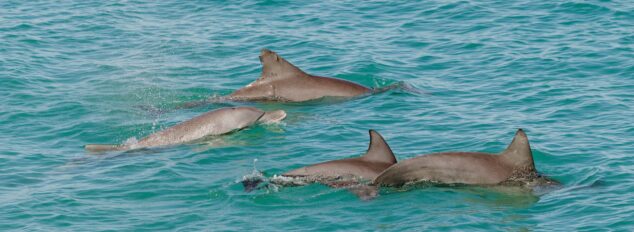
<point x="275" y="67"/>
<point x="518" y="153"/>
<point x="378" y="151"/>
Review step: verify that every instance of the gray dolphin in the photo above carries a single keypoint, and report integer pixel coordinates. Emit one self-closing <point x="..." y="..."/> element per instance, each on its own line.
<point x="282" y="81"/>
<point x="514" y="166"/>
<point x="378" y="157"/>
<point x="216" y="122"/>
<point x="351" y="173"/>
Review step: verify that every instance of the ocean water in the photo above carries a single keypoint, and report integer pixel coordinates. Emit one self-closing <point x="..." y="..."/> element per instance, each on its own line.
<point x="79" y="72"/>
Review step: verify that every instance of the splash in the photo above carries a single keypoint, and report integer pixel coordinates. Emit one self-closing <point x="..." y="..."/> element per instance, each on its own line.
<point x="255" y="180"/>
<point x="131" y="142"/>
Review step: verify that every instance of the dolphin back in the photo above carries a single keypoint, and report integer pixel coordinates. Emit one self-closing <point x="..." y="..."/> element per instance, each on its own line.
<point x="216" y="122"/>
<point x="282" y="81"/>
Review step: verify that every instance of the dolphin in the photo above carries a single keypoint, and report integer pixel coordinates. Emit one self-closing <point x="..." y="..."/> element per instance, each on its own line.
<point x="350" y="173"/>
<point x="283" y="81"/>
<point x="513" y="166"/>
<point x="377" y="158"/>
<point x="216" y="122"/>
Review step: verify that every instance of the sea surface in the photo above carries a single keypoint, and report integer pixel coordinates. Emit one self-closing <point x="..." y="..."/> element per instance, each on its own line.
<point x="80" y="72"/>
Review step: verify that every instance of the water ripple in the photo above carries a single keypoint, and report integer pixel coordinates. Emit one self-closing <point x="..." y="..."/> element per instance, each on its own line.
<point x="74" y="73"/>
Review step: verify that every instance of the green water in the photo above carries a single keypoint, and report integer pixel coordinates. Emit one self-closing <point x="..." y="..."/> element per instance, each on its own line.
<point x="76" y="72"/>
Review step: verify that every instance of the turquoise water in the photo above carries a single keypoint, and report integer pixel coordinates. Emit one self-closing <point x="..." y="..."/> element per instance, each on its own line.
<point x="76" y="72"/>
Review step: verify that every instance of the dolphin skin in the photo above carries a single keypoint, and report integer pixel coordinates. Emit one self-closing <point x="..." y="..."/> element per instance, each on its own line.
<point x="216" y="122"/>
<point x="513" y="166"/>
<point x="282" y="81"/>
<point x="378" y="157"/>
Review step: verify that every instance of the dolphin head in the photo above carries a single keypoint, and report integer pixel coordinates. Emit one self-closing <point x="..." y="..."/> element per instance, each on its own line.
<point x="242" y="116"/>
<point x="272" y="116"/>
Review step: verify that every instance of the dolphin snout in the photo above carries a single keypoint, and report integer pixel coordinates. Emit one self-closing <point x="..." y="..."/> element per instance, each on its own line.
<point x="273" y="116"/>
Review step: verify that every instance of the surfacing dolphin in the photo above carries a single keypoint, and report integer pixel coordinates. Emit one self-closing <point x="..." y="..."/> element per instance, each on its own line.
<point x="377" y="158"/>
<point x="513" y="166"/>
<point x="216" y="122"/>
<point x="282" y="81"/>
<point x="350" y="173"/>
